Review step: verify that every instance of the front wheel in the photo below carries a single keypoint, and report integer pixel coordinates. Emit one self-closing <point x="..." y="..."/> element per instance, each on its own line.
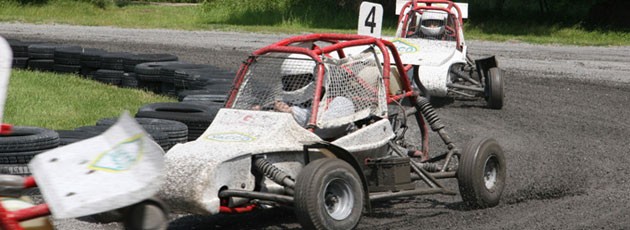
<point x="150" y="214"/>
<point x="481" y="173"/>
<point x="328" y="195"/>
<point x="495" y="88"/>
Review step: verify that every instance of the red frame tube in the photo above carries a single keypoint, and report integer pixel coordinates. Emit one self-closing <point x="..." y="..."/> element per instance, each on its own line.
<point x="5" y="129"/>
<point x="10" y="220"/>
<point x="235" y="210"/>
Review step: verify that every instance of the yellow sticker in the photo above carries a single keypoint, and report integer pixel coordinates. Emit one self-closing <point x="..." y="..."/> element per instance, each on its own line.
<point x="120" y="158"/>
<point x="404" y="47"/>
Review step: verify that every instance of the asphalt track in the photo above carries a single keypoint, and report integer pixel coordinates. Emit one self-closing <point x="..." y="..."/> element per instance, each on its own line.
<point x="565" y="130"/>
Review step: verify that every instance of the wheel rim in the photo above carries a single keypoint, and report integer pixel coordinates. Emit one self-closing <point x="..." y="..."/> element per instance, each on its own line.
<point x="338" y="199"/>
<point x="490" y="172"/>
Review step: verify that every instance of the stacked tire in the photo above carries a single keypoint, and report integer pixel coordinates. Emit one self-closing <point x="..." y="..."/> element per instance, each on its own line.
<point x="196" y="117"/>
<point x="68" y="60"/>
<point x="112" y="68"/>
<point x="177" y="132"/>
<point x="130" y="79"/>
<point x="42" y="56"/>
<point x="91" y="62"/>
<point x="21" y="145"/>
<point x="20" y="53"/>
<point x="149" y="75"/>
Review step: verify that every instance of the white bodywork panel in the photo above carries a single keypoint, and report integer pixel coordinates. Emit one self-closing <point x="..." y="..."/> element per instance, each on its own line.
<point x="6" y="60"/>
<point x="434" y="58"/>
<point x="370" y="137"/>
<point x="118" y="168"/>
<point x="221" y="157"/>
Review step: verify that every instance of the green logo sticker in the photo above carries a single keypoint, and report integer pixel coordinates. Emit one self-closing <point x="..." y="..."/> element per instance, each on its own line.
<point x="404" y="47"/>
<point x="120" y="158"/>
<point x="230" y="137"/>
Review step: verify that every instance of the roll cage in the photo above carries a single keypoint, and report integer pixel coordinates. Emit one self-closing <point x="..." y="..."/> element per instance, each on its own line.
<point x="326" y="46"/>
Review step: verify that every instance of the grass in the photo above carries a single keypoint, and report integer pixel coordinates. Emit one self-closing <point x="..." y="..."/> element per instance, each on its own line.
<point x="85" y="13"/>
<point x="252" y="16"/>
<point x="65" y="101"/>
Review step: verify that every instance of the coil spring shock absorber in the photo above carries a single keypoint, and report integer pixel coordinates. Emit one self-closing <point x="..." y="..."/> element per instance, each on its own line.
<point x="274" y="173"/>
<point x="424" y="106"/>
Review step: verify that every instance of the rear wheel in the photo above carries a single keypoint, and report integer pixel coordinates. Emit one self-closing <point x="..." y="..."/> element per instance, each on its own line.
<point x="481" y="173"/>
<point x="328" y="195"/>
<point x="495" y="88"/>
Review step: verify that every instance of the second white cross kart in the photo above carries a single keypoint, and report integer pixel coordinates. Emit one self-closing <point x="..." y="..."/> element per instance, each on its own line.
<point x="430" y="41"/>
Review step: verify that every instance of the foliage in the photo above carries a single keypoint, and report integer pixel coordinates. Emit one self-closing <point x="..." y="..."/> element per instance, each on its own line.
<point x="297" y="13"/>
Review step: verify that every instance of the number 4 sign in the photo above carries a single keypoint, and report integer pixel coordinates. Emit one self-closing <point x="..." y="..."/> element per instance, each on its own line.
<point x="370" y="19"/>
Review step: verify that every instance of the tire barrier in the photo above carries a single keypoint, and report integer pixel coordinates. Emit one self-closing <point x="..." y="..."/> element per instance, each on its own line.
<point x="159" y="73"/>
<point x="201" y="89"/>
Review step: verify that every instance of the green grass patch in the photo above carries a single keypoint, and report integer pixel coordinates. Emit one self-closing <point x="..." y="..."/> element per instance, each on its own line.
<point x="65" y="101"/>
<point x="86" y="13"/>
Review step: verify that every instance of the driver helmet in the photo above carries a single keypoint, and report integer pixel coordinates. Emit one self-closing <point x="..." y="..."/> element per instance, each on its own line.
<point x="298" y="79"/>
<point x="432" y="23"/>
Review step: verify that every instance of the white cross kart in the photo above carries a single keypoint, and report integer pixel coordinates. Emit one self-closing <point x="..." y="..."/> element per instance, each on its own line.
<point x="430" y="41"/>
<point x="310" y="127"/>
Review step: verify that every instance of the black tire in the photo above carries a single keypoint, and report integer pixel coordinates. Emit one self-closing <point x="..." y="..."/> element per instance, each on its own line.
<point x="206" y="99"/>
<point x="91" y="58"/>
<point x="199" y="78"/>
<point x="41" y="64"/>
<point x="113" y="77"/>
<point x="129" y="80"/>
<point x="196" y="117"/>
<point x="168" y="89"/>
<point x="26" y="138"/>
<point x="131" y="61"/>
<point x="168" y="71"/>
<point x="184" y="93"/>
<point x="159" y="137"/>
<point x="18" y="47"/>
<point x="22" y="157"/>
<point x="328" y="195"/>
<point x="75" y="69"/>
<point x="495" y="88"/>
<point x="481" y="173"/>
<point x="177" y="131"/>
<point x="114" y="61"/>
<point x="67" y="137"/>
<point x="68" y="56"/>
<point x="20" y="62"/>
<point x="152" y="68"/>
<point x="146" y="215"/>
